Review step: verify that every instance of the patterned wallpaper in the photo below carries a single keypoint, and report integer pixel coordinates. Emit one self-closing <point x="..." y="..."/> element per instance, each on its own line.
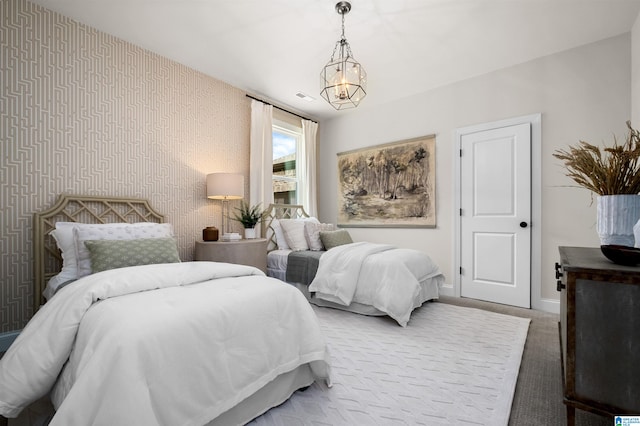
<point x="82" y="112"/>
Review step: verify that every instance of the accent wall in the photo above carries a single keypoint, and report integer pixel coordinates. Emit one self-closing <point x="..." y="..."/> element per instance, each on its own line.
<point x="82" y="112"/>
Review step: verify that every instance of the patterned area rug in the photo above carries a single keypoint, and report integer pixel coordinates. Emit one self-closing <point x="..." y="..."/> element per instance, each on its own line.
<point x="450" y="366"/>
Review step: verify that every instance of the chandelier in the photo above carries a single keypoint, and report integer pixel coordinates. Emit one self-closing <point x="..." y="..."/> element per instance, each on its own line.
<point x="343" y="80"/>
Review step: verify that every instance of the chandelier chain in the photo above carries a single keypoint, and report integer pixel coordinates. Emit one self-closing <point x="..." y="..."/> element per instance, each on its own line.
<point x="344" y="45"/>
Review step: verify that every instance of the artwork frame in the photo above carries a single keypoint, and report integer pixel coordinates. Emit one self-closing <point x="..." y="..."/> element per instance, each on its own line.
<point x="390" y="185"/>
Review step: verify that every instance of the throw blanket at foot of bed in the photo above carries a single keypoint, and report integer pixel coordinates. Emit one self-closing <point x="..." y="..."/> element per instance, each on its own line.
<point x="160" y="344"/>
<point x="379" y="275"/>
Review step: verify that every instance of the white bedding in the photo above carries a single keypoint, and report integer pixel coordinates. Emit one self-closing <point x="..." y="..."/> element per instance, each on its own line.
<point x="277" y="264"/>
<point x="160" y="344"/>
<point x="379" y="275"/>
<point x="277" y="260"/>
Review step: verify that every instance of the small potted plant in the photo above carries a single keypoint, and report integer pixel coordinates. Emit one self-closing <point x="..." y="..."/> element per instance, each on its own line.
<point x="249" y="217"/>
<point x="613" y="174"/>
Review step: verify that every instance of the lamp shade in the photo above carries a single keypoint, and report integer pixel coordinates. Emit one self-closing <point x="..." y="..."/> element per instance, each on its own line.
<point x="225" y="186"/>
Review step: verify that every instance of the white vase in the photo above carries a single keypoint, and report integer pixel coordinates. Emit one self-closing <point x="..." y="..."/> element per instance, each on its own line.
<point x="617" y="215"/>
<point x="250" y="233"/>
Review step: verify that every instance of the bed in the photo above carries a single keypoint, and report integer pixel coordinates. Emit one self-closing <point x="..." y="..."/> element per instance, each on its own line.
<point x="157" y="342"/>
<point x="333" y="271"/>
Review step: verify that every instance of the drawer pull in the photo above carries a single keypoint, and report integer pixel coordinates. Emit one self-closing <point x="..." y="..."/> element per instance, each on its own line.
<point x="558" y="273"/>
<point x="560" y="286"/>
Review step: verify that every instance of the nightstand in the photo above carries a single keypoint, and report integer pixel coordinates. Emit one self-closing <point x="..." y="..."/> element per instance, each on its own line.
<point x="244" y="252"/>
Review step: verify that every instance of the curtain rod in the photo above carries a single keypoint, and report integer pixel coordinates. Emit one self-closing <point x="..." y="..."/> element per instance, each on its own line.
<point x="281" y="109"/>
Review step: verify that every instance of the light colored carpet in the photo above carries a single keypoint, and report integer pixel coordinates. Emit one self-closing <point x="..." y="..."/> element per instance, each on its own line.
<point x="450" y="365"/>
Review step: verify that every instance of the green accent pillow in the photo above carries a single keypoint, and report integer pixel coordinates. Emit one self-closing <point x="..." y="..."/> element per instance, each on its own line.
<point x="331" y="239"/>
<point x="112" y="254"/>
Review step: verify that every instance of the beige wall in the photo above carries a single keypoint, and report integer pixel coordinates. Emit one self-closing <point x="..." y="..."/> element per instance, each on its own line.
<point x="582" y="93"/>
<point x="85" y="113"/>
<point x="635" y="74"/>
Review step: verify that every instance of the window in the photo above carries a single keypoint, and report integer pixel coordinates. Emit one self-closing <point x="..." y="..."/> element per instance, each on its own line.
<point x="286" y="139"/>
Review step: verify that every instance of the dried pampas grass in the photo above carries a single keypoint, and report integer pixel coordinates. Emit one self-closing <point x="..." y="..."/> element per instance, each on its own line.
<point x="614" y="170"/>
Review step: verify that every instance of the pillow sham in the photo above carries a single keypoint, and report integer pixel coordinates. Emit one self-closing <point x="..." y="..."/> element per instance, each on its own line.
<point x="331" y="239"/>
<point x="122" y="232"/>
<point x="63" y="234"/>
<point x="281" y="241"/>
<point x="294" y="232"/>
<point x="113" y="254"/>
<point x="312" y="234"/>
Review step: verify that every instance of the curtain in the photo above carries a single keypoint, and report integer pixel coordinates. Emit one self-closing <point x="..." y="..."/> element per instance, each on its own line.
<point x="261" y="155"/>
<point x="306" y="168"/>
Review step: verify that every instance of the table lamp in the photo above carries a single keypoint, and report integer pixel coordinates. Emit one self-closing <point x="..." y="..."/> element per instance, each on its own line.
<point x="225" y="187"/>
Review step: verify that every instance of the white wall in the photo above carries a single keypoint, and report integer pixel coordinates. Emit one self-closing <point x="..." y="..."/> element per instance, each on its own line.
<point x="582" y="93"/>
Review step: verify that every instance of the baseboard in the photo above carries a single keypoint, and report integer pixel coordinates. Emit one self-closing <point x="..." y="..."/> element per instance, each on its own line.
<point x="547" y="305"/>
<point x="551" y="306"/>
<point x="447" y="290"/>
<point x="6" y="339"/>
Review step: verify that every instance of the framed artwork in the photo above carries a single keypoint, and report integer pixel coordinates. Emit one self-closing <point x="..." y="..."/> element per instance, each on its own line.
<point x="390" y="185"/>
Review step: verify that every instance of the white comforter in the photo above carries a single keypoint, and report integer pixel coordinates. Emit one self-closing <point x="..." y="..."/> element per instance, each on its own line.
<point x="188" y="350"/>
<point x="378" y="275"/>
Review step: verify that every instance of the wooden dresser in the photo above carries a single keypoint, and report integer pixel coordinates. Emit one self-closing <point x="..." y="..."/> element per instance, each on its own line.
<point x="599" y="333"/>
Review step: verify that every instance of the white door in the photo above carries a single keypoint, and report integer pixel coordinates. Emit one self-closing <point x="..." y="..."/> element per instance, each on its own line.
<point x="495" y="201"/>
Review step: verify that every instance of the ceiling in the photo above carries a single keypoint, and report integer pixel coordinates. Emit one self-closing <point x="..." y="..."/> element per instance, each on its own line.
<point x="274" y="49"/>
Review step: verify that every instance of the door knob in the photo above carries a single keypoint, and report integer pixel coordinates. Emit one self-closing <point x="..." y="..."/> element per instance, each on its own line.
<point x="523" y="224"/>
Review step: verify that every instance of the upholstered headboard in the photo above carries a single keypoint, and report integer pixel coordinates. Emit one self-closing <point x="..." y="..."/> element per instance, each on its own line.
<point x="81" y="209"/>
<point x="279" y="211"/>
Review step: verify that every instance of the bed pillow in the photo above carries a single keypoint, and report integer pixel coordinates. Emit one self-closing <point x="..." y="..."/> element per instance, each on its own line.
<point x="281" y="241"/>
<point x="63" y="234"/>
<point x="312" y="234"/>
<point x="113" y="254"/>
<point x="122" y="232"/>
<point x="294" y="232"/>
<point x="331" y="239"/>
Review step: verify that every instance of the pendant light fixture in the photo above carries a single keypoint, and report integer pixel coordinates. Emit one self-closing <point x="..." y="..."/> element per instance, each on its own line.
<point x="343" y="80"/>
